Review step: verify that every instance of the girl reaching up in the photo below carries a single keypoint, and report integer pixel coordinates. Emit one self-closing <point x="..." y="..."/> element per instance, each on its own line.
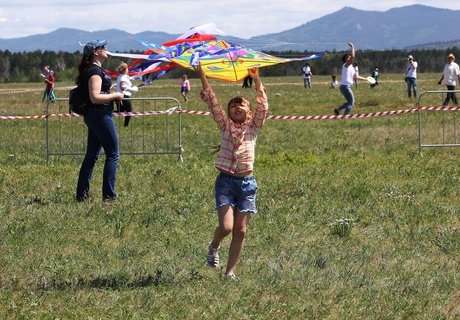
<point x="235" y="186"/>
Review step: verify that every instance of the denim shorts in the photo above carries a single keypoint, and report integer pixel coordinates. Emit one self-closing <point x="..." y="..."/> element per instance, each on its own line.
<point x="238" y="192"/>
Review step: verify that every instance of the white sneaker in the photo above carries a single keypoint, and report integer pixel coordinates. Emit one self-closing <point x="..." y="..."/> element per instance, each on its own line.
<point x="231" y="277"/>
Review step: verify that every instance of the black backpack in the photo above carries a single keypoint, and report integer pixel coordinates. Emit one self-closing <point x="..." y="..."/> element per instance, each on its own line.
<point x="77" y="101"/>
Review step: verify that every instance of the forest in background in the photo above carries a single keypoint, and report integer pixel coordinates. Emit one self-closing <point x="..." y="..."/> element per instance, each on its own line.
<point x="26" y="66"/>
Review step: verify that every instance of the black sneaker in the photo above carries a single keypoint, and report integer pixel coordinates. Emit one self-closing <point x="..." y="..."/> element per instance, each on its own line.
<point x="336" y="112"/>
<point x="82" y="197"/>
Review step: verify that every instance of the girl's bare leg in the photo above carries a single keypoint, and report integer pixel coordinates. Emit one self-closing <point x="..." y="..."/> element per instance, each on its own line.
<point x="240" y="224"/>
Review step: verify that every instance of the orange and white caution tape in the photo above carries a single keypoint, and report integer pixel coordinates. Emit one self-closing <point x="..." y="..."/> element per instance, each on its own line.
<point x="270" y="117"/>
<point x="348" y="116"/>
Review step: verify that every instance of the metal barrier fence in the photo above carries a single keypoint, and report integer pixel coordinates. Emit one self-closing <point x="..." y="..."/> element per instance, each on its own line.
<point x="156" y="130"/>
<point x="440" y="127"/>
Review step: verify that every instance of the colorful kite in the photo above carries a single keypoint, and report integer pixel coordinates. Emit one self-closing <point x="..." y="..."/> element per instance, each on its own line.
<point x="219" y="59"/>
<point x="227" y="61"/>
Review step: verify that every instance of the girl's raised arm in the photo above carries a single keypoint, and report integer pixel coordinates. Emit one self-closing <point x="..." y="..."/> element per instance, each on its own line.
<point x="204" y="80"/>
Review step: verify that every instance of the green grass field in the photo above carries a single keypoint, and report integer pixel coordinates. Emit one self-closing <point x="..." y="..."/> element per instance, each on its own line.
<point x="143" y="257"/>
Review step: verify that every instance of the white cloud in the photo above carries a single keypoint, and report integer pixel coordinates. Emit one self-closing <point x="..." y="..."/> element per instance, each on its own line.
<point x="241" y="18"/>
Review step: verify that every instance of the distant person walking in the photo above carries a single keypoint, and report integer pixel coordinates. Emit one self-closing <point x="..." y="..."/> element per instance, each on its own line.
<point x="348" y="76"/>
<point x="307" y="75"/>
<point x="355" y="80"/>
<point x="50" y="86"/>
<point x="375" y="75"/>
<point x="247" y="82"/>
<point x="184" y="85"/>
<point x="125" y="86"/>
<point x="334" y="83"/>
<point x="96" y="83"/>
<point x="48" y="77"/>
<point x="411" y="76"/>
<point x="450" y="77"/>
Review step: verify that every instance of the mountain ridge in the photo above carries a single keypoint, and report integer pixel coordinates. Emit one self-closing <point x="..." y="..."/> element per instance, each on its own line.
<point x="373" y="30"/>
<point x="395" y="28"/>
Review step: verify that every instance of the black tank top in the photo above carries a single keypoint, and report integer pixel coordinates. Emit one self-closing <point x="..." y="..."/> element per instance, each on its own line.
<point x="90" y="71"/>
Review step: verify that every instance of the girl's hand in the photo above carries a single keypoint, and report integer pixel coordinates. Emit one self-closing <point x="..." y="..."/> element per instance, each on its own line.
<point x="254" y="73"/>
<point x="203" y="79"/>
<point x="198" y="69"/>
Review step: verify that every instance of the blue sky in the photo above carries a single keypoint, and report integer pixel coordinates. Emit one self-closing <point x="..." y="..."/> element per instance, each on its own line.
<point x="242" y="18"/>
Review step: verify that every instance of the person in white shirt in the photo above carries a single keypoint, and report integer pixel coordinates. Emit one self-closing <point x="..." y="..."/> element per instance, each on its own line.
<point x="348" y="76"/>
<point x="334" y="83"/>
<point x="307" y="75"/>
<point x="450" y="77"/>
<point x="125" y="86"/>
<point x="411" y="76"/>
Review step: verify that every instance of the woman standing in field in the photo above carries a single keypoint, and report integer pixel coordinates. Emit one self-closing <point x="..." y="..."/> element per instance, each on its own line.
<point x="96" y="83"/>
<point x="235" y="187"/>
<point x="348" y="76"/>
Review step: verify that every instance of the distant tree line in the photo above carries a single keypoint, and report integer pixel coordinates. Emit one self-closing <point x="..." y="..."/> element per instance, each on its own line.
<point x="27" y="66"/>
<point x="389" y="61"/>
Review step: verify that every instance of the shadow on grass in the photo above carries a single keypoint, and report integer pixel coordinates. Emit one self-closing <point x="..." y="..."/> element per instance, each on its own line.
<point x="113" y="282"/>
<point x="108" y="282"/>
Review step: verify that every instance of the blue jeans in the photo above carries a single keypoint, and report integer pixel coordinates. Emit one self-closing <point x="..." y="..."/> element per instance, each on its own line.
<point x="348" y="94"/>
<point x="101" y="133"/>
<point x="411" y="84"/>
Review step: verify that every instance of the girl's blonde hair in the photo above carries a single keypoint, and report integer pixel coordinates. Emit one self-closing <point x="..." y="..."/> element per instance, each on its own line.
<point x="122" y="67"/>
